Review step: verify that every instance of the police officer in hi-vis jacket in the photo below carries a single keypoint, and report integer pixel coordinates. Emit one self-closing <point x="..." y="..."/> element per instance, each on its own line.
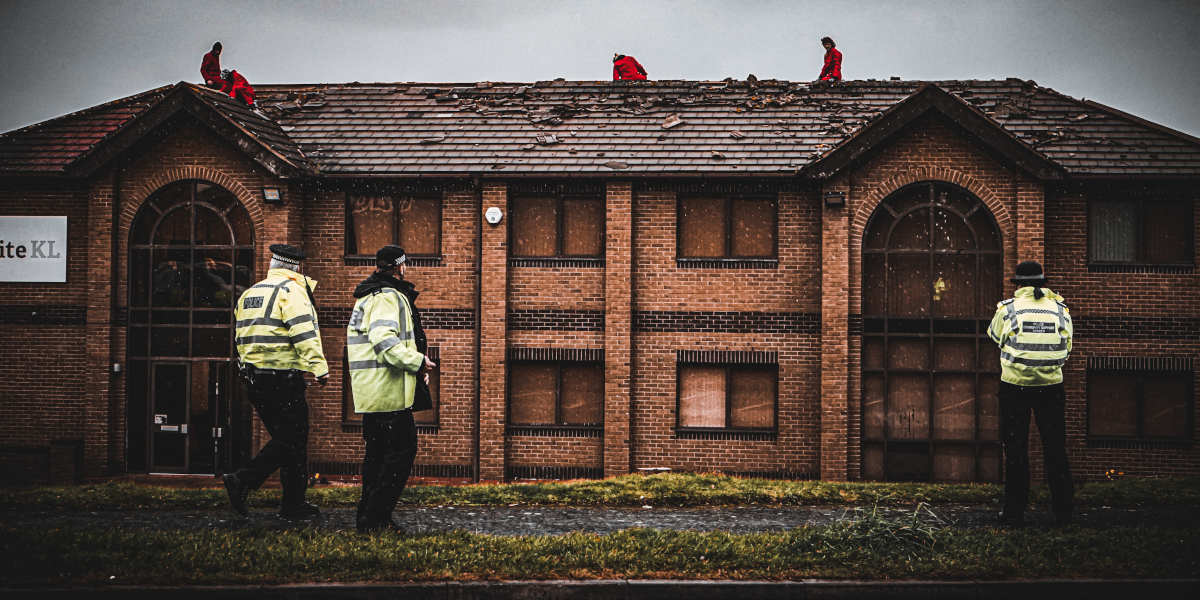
<point x="1033" y="330"/>
<point x="278" y="340"/>
<point x="385" y="347"/>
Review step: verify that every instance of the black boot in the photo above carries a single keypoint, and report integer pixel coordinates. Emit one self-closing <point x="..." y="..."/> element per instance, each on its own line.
<point x="300" y="512"/>
<point x="237" y="494"/>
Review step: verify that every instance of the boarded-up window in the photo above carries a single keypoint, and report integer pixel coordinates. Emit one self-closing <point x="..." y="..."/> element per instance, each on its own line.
<point x="702" y="228"/>
<point x="727" y="397"/>
<point x="549" y="393"/>
<point x="411" y="222"/>
<point x="557" y="226"/>
<point x="419" y="222"/>
<point x="753" y="233"/>
<point x="1144" y="231"/>
<point x="724" y="227"/>
<point x="1139" y="405"/>
<point x="583" y="227"/>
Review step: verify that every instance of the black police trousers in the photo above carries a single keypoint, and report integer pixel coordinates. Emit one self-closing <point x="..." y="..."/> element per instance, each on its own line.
<point x="279" y="399"/>
<point x="391" y="440"/>
<point x="1047" y="404"/>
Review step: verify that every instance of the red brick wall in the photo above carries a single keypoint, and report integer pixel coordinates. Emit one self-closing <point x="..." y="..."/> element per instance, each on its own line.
<point x="43" y="379"/>
<point x="660" y="285"/>
<point x="1115" y="315"/>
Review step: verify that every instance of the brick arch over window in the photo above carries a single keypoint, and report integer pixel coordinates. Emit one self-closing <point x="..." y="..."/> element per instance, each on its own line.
<point x="871" y="201"/>
<point x="168" y="176"/>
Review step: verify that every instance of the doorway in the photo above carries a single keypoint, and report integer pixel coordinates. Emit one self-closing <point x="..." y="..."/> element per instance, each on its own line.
<point x="932" y="274"/>
<point x="191" y="256"/>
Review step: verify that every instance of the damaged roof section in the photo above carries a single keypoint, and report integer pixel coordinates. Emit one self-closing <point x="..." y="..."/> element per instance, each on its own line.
<point x="730" y="127"/>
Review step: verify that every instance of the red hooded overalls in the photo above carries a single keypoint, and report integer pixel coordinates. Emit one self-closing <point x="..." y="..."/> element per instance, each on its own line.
<point x="832" y="71"/>
<point x="238" y="87"/>
<point x="627" y="67"/>
<point x="210" y="70"/>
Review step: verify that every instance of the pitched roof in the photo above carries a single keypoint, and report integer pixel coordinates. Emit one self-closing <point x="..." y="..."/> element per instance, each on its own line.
<point x="604" y="127"/>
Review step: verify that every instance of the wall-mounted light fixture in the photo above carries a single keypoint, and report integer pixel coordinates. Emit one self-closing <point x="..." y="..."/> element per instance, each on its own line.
<point x="272" y="195"/>
<point x="834" y="199"/>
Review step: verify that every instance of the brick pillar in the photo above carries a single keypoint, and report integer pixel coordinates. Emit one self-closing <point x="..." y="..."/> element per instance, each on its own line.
<point x="493" y="313"/>
<point x="618" y="327"/>
<point x="1031" y="217"/>
<point x="96" y="432"/>
<point x="835" y="347"/>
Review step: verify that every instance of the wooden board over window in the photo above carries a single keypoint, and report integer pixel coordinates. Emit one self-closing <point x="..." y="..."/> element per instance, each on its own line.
<point x="563" y="226"/>
<point x="734" y="397"/>
<point x="1141" y="230"/>
<point x="726" y="227"/>
<point x="556" y="394"/>
<point x="411" y="222"/>
<point x="1139" y="405"/>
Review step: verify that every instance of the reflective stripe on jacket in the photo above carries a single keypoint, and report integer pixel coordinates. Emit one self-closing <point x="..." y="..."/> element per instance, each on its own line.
<point x="382" y="352"/>
<point x="1034" y="337"/>
<point x="277" y="325"/>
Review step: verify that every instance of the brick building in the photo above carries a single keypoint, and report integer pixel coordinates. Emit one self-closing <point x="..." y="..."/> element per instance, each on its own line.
<point x="755" y="277"/>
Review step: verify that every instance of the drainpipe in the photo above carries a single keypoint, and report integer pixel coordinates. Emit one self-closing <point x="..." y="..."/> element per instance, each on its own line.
<point x="114" y="385"/>
<point x="478" y="323"/>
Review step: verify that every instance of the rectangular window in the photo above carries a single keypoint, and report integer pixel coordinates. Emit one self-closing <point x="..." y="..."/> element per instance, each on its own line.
<point x="739" y="397"/>
<point x="1149" y="231"/>
<point x="1139" y="405"/>
<point x="723" y="227"/>
<point x="411" y="222"/>
<point x="557" y="226"/>
<point x="556" y="394"/>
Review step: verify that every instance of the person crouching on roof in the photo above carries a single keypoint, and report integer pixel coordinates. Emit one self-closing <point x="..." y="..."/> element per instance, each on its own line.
<point x="627" y="67"/>
<point x="237" y="87"/>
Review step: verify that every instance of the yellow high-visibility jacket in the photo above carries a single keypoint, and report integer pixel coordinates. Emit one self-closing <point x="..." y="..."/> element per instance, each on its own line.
<point x="382" y="352"/>
<point x="1034" y="337"/>
<point x="277" y="326"/>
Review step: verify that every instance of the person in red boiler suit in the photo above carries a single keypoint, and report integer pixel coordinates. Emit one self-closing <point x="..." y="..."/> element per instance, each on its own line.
<point x="832" y="71"/>
<point x="238" y="87"/>
<point x="210" y="68"/>
<point x="627" y="67"/>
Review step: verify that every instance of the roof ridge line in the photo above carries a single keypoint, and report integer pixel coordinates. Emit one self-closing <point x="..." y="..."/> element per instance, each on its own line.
<point x="89" y="109"/>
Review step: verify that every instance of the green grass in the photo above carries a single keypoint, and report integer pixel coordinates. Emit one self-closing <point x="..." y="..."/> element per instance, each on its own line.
<point x="866" y="547"/>
<point x="670" y="489"/>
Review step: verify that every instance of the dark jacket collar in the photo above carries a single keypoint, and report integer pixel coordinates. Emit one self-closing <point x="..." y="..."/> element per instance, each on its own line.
<point x="378" y="281"/>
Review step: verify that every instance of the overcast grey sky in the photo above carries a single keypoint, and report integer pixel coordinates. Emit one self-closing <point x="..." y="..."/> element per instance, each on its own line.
<point x="60" y="56"/>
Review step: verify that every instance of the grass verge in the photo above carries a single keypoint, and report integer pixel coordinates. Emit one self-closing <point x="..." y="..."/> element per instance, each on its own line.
<point x="670" y="489"/>
<point x="866" y="547"/>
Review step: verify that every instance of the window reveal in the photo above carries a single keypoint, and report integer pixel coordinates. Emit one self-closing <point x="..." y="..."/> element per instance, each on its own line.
<point x="724" y="227"/>
<point x="727" y="397"/>
<point x="413" y="223"/>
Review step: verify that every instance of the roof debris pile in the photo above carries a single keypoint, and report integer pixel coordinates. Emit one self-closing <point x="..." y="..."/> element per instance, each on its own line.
<point x="763" y="126"/>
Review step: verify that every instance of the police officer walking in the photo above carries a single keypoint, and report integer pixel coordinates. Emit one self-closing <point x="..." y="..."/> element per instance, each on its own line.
<point x="1034" y="331"/>
<point x="385" y="356"/>
<point x="278" y="340"/>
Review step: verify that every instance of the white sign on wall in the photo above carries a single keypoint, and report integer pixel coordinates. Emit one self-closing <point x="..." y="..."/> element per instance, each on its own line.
<point x="33" y="249"/>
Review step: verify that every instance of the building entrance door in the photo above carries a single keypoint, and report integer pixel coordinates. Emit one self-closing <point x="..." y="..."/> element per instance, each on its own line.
<point x="191" y="256"/>
<point x="931" y="278"/>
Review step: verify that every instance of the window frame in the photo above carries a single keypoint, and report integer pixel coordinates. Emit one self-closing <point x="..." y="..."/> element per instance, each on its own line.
<point x="773" y="368"/>
<point x="558" y="409"/>
<point x="560" y="199"/>
<point x="351" y="242"/>
<point x="1140" y="200"/>
<point x="728" y="200"/>
<point x="1140" y="400"/>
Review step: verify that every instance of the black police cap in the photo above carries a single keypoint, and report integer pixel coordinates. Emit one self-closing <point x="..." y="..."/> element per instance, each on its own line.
<point x="286" y="253"/>
<point x="390" y="255"/>
<point x="1029" y="271"/>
